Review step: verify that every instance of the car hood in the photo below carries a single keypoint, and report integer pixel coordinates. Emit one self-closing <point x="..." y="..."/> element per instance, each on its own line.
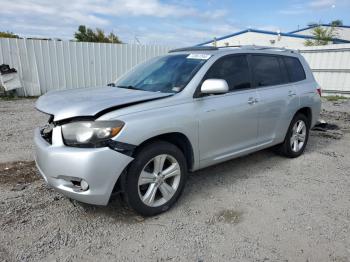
<point x="91" y="101"/>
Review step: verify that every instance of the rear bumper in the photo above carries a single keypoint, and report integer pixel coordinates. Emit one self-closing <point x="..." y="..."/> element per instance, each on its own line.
<point x="60" y="165"/>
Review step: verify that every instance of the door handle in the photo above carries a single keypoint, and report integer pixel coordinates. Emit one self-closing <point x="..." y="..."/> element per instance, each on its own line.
<point x="251" y="100"/>
<point x="291" y="93"/>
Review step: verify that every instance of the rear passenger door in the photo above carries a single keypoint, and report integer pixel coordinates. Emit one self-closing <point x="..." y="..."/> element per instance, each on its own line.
<point x="277" y="99"/>
<point x="227" y="122"/>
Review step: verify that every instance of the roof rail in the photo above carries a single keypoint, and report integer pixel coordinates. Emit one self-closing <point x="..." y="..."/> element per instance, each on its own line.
<point x="227" y="46"/>
<point x="194" y="48"/>
<point x="257" y="47"/>
<point x="213" y="48"/>
<point x="282" y="49"/>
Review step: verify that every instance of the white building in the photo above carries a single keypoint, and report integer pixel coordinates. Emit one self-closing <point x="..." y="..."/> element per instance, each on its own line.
<point x="266" y="38"/>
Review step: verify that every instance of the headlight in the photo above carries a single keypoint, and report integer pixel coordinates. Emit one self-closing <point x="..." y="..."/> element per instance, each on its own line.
<point x="90" y="133"/>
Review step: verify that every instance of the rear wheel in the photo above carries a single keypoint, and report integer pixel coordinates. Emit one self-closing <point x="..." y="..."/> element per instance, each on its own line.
<point x="297" y="136"/>
<point x="155" y="178"/>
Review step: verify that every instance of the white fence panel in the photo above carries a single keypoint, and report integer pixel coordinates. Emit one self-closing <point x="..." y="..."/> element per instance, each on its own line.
<point x="55" y="65"/>
<point x="331" y="67"/>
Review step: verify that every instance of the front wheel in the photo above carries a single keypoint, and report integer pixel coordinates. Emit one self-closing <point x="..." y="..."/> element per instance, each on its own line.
<point x="297" y="136"/>
<point x="155" y="178"/>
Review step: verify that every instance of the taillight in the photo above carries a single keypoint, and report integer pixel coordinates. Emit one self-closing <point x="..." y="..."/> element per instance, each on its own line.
<point x="319" y="91"/>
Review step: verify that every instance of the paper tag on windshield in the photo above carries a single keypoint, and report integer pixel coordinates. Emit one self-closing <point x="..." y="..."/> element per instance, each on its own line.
<point x="199" y="56"/>
<point x="176" y="89"/>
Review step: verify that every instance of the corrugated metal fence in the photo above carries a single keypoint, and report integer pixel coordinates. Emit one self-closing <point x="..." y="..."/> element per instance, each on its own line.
<point x="331" y="67"/>
<point x="54" y="65"/>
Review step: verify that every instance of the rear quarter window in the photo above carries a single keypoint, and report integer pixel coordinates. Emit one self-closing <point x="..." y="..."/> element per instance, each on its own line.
<point x="295" y="69"/>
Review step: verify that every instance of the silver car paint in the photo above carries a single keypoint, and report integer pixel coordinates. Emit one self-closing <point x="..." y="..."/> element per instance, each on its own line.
<point x="58" y="164"/>
<point x="218" y="127"/>
<point x="90" y="101"/>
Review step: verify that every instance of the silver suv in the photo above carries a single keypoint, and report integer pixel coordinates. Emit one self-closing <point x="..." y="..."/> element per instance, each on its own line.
<point x="181" y="112"/>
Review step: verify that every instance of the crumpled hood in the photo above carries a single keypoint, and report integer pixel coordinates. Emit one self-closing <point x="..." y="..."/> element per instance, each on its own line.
<point x="91" y="101"/>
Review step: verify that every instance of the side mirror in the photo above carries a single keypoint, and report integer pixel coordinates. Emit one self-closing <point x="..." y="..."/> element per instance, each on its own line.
<point x="214" y="86"/>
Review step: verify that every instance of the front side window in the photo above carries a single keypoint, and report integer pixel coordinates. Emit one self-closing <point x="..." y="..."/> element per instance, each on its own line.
<point x="233" y="69"/>
<point x="267" y="71"/>
<point x="295" y="69"/>
<point x="167" y="74"/>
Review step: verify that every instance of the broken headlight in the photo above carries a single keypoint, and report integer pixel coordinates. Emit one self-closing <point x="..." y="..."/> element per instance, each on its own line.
<point x="90" y="133"/>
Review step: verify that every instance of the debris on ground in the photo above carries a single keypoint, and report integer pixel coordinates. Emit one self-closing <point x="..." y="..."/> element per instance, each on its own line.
<point x="324" y="126"/>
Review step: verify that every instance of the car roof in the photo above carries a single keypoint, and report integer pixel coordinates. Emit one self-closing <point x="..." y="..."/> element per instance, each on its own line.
<point x="212" y="50"/>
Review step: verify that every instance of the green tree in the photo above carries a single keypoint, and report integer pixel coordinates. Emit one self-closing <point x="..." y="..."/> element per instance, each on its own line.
<point x="337" y="22"/>
<point x="85" y="34"/>
<point x="114" y="38"/>
<point x="8" y="35"/>
<point x="322" y="36"/>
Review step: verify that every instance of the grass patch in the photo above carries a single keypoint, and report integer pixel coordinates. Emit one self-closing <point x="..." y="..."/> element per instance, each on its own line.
<point x="335" y="98"/>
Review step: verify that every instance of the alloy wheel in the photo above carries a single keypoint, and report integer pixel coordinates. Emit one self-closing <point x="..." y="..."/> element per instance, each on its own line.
<point x="159" y="180"/>
<point x="298" y="137"/>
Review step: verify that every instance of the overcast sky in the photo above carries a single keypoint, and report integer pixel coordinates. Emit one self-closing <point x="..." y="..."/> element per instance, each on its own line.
<point x="169" y="22"/>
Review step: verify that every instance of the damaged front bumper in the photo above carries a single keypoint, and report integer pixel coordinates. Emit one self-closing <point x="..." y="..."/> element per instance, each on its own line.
<point x="67" y="168"/>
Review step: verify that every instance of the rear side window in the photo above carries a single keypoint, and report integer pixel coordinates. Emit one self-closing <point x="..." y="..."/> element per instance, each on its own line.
<point x="268" y="70"/>
<point x="234" y="69"/>
<point x="295" y="69"/>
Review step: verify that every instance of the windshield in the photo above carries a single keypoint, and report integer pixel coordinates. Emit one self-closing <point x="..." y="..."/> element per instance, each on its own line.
<point x="167" y="74"/>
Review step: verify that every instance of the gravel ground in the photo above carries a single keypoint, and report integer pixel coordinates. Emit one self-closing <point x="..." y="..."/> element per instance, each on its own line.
<point x="261" y="207"/>
<point x="18" y="119"/>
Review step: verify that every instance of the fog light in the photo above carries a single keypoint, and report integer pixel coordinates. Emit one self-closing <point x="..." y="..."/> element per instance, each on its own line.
<point x="84" y="185"/>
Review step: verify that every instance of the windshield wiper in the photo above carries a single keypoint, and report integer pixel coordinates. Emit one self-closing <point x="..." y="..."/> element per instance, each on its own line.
<point x="129" y="87"/>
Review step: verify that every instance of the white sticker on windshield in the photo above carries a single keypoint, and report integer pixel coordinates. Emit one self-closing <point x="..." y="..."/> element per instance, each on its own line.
<point x="199" y="56"/>
<point x="176" y="89"/>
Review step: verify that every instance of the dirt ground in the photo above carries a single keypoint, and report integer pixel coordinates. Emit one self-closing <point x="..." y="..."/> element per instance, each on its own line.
<point x="261" y="207"/>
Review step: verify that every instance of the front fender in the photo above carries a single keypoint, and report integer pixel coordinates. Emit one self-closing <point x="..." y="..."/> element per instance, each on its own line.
<point x="142" y="126"/>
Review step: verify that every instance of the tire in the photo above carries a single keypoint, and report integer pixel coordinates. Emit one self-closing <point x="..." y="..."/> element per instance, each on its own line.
<point x="149" y="191"/>
<point x="294" y="149"/>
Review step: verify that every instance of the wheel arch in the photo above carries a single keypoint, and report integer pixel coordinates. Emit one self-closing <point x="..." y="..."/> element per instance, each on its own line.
<point x="176" y="138"/>
<point x="306" y="111"/>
